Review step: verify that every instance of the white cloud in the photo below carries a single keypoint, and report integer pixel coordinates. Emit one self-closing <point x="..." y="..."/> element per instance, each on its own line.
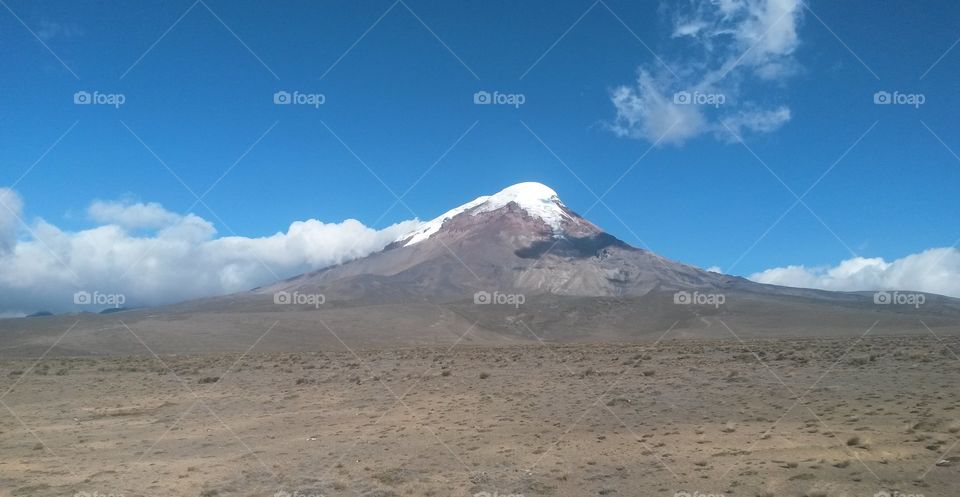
<point x="935" y="270"/>
<point x="132" y="216"/>
<point x="762" y="121"/>
<point x="179" y="258"/>
<point x="731" y="48"/>
<point x="646" y="113"/>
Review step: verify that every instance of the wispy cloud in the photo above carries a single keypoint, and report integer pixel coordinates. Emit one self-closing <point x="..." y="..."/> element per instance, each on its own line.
<point x="11" y="205"/>
<point x="731" y="53"/>
<point x="49" y="30"/>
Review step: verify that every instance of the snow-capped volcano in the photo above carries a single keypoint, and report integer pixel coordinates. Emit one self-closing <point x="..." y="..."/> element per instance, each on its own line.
<point x="536" y="199"/>
<point x="522" y="237"/>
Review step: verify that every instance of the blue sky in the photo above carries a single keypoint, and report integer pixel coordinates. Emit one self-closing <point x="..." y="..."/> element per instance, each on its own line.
<point x="399" y="79"/>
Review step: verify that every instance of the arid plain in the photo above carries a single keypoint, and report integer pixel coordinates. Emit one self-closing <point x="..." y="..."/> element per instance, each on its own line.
<point x="785" y="417"/>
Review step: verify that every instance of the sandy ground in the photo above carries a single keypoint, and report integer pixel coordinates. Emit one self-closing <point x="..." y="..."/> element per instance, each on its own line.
<point x="842" y="417"/>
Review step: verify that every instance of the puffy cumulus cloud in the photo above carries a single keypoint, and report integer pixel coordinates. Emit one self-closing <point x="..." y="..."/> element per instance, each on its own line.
<point x="132" y="216"/>
<point x="179" y="258"/>
<point x="935" y="270"/>
<point x="731" y="50"/>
